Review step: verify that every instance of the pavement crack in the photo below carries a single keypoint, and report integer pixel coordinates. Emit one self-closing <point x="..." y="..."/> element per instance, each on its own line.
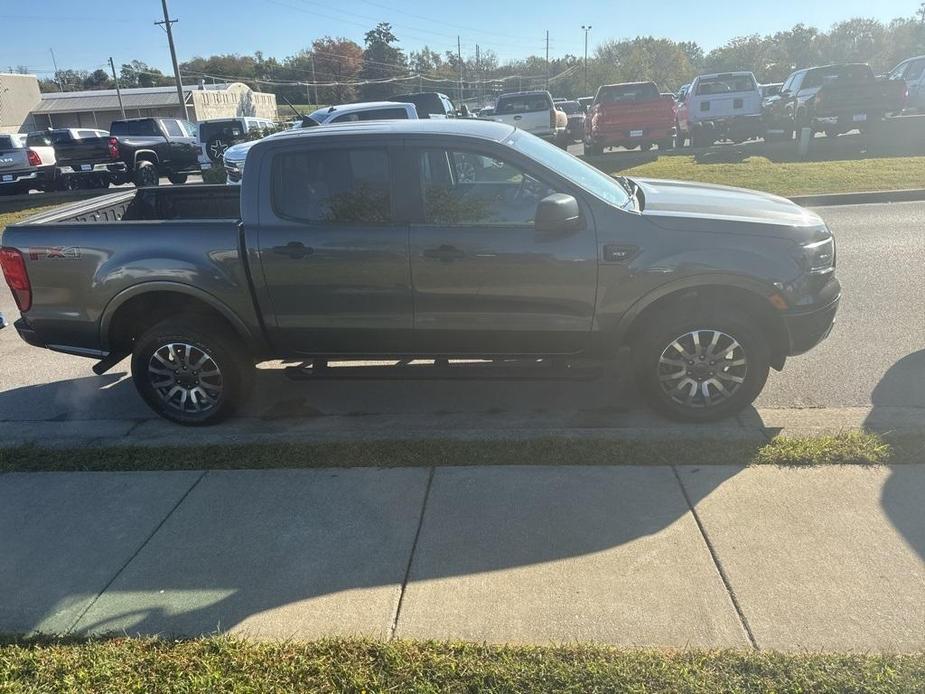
<point x="414" y="547"/>
<point x="743" y="620"/>
<point x="144" y="544"/>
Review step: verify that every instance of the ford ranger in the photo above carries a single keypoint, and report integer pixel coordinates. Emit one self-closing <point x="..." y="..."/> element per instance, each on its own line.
<point x="426" y="238"/>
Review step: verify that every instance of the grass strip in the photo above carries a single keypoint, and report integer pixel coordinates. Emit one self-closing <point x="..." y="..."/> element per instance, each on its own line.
<point x="849" y="448"/>
<point x="789" y="178"/>
<point x="222" y="664"/>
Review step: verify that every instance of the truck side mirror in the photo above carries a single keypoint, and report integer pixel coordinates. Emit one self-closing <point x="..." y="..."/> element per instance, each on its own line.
<point x="556" y="213"/>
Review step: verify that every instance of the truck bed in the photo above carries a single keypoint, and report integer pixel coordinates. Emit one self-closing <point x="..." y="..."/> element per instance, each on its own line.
<point x="169" y="203"/>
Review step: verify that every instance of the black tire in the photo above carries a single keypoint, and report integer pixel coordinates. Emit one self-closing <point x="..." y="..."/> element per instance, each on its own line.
<point x="665" y="145"/>
<point x="680" y="139"/>
<point x="831" y="133"/>
<point x="657" y="339"/>
<point x="146" y="175"/>
<point x="66" y="182"/>
<point x="100" y="181"/>
<point x="594" y="150"/>
<point x="208" y="343"/>
<point x="178" y="179"/>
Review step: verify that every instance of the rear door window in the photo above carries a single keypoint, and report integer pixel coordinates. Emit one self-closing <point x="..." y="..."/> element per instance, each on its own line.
<point x="347" y="186"/>
<point x="172" y="128"/>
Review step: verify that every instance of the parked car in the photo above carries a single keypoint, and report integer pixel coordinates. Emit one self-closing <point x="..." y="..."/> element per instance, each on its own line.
<point x="236" y="155"/>
<point x="25" y="168"/>
<point x="487" y="112"/>
<point x="576" y="119"/>
<point x="769" y="90"/>
<point x="84" y="157"/>
<point x="912" y="72"/>
<point x="724" y="106"/>
<point x="586" y="102"/>
<point x="633" y="114"/>
<point x="155" y="147"/>
<point x="833" y="99"/>
<point x="533" y="112"/>
<point x="215" y="135"/>
<point x="383" y="240"/>
<point x="429" y="104"/>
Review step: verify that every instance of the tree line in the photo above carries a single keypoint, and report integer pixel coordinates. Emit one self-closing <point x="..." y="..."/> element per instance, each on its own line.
<point x="347" y="71"/>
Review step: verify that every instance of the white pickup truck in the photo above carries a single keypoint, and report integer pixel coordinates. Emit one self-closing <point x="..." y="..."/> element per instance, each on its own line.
<point x="25" y="168"/>
<point x="535" y="113"/>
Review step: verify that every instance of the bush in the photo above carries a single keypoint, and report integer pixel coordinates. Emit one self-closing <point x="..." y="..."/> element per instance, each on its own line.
<point x="215" y="175"/>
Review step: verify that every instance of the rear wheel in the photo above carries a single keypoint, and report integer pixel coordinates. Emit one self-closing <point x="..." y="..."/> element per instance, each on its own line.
<point x="665" y="145"/>
<point x="702" y="367"/>
<point x="145" y="175"/>
<point x="191" y="371"/>
<point x="594" y="150"/>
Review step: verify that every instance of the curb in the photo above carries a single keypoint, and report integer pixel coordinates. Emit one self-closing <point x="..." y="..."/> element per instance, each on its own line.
<point x="872" y="197"/>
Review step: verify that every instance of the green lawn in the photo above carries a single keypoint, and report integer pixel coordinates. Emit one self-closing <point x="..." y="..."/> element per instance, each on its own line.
<point x="788" y="178"/>
<point x="847" y="449"/>
<point x="221" y="664"/>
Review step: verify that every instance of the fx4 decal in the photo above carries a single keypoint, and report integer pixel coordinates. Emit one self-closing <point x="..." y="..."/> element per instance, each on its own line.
<point x="69" y="252"/>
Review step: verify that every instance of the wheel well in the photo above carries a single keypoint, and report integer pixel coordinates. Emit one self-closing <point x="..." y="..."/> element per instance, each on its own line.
<point x="711" y="297"/>
<point x="139" y="313"/>
<point x="146" y="156"/>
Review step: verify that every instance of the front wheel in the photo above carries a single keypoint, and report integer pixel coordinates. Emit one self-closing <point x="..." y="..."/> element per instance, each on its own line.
<point x="146" y="175"/>
<point x="191" y="371"/>
<point x="702" y="368"/>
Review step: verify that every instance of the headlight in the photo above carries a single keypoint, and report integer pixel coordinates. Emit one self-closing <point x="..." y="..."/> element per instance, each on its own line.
<point x="819" y="256"/>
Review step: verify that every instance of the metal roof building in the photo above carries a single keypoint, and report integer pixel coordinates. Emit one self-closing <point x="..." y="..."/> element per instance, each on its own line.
<point x="98" y="108"/>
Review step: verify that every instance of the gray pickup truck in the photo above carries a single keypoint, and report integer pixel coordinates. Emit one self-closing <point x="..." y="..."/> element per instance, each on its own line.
<point x="430" y="238"/>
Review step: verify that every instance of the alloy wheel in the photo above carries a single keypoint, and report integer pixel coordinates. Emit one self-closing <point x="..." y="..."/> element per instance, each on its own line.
<point x="185" y="377"/>
<point x="702" y="368"/>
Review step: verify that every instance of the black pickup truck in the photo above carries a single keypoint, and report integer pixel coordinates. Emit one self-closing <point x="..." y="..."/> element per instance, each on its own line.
<point x="433" y="239"/>
<point x="84" y="157"/>
<point x="833" y="99"/>
<point x="155" y="147"/>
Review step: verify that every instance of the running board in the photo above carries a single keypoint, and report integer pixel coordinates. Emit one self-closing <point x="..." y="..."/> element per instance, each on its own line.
<point x="442" y="370"/>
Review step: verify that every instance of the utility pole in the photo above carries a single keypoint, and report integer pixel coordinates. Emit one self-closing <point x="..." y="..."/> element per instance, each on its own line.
<point x="55" y="63"/>
<point x="459" y="58"/>
<point x="311" y="57"/>
<point x="118" y="91"/>
<point x="167" y="24"/>
<point x="587" y="30"/>
<point x="478" y="77"/>
<point x="547" y="60"/>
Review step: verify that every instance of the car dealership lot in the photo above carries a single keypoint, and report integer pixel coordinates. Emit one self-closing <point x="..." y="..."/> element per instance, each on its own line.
<point x="874" y="358"/>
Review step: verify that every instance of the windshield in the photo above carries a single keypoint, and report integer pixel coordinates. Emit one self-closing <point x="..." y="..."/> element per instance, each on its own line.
<point x="837" y="74"/>
<point x="574" y="169"/>
<point x="725" y="84"/>
<point x="570" y="107"/>
<point x="523" y="103"/>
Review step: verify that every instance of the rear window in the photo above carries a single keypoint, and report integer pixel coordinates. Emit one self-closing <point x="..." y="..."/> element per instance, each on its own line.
<point x="726" y="84"/>
<point x="620" y="93"/>
<point x="837" y="74"/>
<point x="570" y="107"/>
<point x="8" y="142"/>
<point x="374" y="114"/>
<point x="333" y="186"/>
<point x="226" y="130"/>
<point x="529" y="103"/>
<point x="48" y="139"/>
<point x="134" y="127"/>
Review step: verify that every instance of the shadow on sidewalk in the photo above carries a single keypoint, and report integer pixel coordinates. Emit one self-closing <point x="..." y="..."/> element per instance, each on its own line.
<point x="903" y="496"/>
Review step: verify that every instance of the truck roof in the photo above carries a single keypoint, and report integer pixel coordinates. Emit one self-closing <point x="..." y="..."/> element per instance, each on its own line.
<point x="488" y="130"/>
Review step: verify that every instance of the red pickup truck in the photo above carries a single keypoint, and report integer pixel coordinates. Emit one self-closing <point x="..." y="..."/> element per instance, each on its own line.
<point x="631" y="115"/>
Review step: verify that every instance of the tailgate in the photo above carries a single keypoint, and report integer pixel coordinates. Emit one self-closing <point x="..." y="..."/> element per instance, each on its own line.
<point x="532" y="122"/>
<point x="861" y="98"/>
<point x="14" y="160"/>
<point x="639" y="114"/>
<point x="88" y="151"/>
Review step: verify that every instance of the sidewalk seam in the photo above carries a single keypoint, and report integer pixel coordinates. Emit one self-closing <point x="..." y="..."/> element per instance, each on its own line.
<point x="136" y="552"/>
<point x="414" y="545"/>
<point x="717" y="563"/>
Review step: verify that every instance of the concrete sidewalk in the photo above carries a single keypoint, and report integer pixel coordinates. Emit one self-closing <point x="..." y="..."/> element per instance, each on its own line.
<point x="826" y="558"/>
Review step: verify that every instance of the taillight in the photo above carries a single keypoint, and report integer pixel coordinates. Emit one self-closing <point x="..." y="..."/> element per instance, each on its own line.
<point x="34" y="158"/>
<point x="113" y="146"/>
<point x="14" y="270"/>
<point x="552" y="119"/>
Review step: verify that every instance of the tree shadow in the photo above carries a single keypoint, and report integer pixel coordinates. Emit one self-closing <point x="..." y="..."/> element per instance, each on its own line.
<point x="903" y="386"/>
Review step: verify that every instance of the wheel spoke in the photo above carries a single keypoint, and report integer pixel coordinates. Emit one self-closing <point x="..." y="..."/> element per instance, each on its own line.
<point x="193" y="391"/>
<point x="684" y="352"/>
<point x="722" y="375"/>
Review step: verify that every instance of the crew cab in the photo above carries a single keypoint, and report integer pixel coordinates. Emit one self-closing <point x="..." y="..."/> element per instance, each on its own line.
<point x="25" y="168"/>
<point x="632" y="114"/>
<point x="834" y="99"/>
<point x="84" y="157"/>
<point x="723" y="106"/>
<point x="155" y="147"/>
<point x="431" y="239"/>
<point x="533" y="112"/>
<point x="912" y="72"/>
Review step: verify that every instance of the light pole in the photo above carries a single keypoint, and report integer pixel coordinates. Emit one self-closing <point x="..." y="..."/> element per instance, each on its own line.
<point x="586" y="29"/>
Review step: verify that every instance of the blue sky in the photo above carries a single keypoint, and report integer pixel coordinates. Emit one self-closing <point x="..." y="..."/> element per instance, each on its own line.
<point x="85" y="33"/>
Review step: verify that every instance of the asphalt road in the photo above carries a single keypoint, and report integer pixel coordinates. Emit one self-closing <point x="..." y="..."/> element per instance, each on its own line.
<point x="875" y="356"/>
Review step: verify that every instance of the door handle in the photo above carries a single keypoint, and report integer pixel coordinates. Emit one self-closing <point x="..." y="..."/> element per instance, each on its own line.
<point x="294" y="249"/>
<point x="445" y="253"/>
